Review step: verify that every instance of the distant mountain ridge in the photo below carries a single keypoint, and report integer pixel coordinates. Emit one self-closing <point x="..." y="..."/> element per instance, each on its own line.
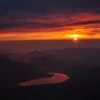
<point x="11" y="56"/>
<point x="89" y="57"/>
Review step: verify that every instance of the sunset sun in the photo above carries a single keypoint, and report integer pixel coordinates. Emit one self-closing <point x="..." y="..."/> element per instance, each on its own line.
<point x="75" y="39"/>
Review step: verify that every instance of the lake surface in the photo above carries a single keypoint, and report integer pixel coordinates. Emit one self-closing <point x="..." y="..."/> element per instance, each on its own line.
<point x="57" y="78"/>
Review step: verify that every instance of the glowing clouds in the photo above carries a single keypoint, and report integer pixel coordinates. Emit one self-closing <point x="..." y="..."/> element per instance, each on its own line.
<point x="53" y="34"/>
<point x="51" y="27"/>
<point x="75" y="36"/>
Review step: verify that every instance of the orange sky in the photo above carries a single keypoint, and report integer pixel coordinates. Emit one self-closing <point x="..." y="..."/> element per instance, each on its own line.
<point x="57" y="23"/>
<point x="80" y="25"/>
<point x="80" y="33"/>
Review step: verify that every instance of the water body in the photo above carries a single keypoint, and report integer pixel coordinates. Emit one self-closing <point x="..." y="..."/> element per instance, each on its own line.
<point x="57" y="78"/>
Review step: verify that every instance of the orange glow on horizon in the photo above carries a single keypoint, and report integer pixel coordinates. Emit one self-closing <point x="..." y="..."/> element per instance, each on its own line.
<point x="75" y="39"/>
<point x="88" y="33"/>
<point x="47" y="36"/>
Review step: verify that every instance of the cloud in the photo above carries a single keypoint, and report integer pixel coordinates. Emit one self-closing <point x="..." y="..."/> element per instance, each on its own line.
<point x="63" y="16"/>
<point x="86" y="22"/>
<point x="49" y="21"/>
<point x="8" y="25"/>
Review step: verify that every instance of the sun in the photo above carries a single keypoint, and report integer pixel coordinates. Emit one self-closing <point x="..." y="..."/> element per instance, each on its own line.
<point x="75" y="38"/>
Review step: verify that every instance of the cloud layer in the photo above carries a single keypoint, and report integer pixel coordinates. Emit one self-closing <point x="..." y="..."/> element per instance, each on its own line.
<point x="46" y="19"/>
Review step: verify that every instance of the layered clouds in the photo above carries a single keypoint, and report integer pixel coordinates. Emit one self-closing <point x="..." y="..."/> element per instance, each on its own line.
<point x="49" y="19"/>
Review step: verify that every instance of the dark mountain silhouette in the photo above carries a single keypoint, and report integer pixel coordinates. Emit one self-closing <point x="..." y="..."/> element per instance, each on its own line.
<point x="48" y="64"/>
<point x="75" y="52"/>
<point x="12" y="73"/>
<point x="11" y="56"/>
<point x="89" y="62"/>
<point x="86" y="57"/>
<point x="82" y="65"/>
<point x="34" y="54"/>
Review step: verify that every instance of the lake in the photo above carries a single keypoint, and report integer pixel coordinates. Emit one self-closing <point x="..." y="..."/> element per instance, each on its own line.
<point x="57" y="78"/>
